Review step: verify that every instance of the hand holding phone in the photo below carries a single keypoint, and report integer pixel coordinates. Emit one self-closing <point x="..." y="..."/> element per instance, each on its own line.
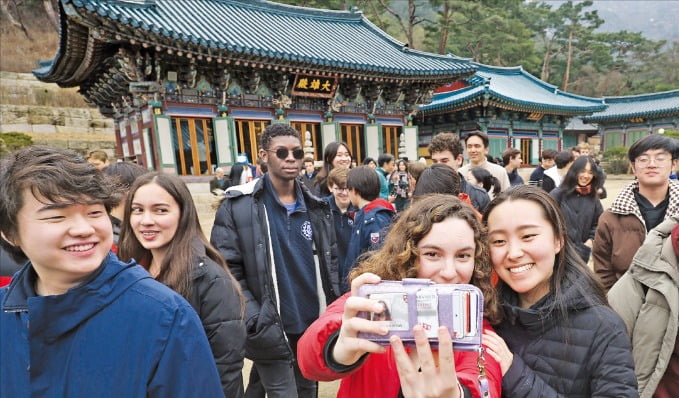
<point x="427" y="373"/>
<point x="349" y="346"/>
<point x="404" y="304"/>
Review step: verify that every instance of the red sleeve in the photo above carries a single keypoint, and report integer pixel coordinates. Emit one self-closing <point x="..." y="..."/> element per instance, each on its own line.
<point x="468" y="372"/>
<point x="310" y="354"/>
<point x="311" y="346"/>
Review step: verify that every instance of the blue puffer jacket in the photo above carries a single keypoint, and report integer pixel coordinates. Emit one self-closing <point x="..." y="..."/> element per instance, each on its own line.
<point x="119" y="334"/>
<point x="370" y="228"/>
<point x="343" y="223"/>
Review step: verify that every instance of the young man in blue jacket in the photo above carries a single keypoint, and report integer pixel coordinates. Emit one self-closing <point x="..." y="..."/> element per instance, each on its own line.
<point x="370" y="222"/>
<point x="75" y="320"/>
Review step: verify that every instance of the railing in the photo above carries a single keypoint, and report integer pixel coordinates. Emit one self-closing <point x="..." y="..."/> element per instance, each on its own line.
<point x="255" y="101"/>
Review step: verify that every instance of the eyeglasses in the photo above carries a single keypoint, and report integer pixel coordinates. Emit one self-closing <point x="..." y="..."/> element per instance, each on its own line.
<point x="282" y="153"/>
<point x="645" y="161"/>
<point x="338" y="189"/>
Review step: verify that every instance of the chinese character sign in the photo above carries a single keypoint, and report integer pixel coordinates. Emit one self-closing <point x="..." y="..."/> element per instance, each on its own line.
<point x="314" y="86"/>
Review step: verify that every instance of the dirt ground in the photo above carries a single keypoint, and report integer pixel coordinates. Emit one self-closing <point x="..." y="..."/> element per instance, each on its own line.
<point x="325" y="390"/>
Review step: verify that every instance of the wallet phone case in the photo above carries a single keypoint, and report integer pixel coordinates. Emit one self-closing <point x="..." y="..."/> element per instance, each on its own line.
<point x="414" y="301"/>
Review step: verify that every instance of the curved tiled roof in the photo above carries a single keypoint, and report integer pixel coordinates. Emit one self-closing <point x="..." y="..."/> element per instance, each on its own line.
<point x="656" y="105"/>
<point x="336" y="39"/>
<point x="515" y="89"/>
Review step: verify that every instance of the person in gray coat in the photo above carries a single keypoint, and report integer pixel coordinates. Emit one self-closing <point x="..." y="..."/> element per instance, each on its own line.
<point x="647" y="299"/>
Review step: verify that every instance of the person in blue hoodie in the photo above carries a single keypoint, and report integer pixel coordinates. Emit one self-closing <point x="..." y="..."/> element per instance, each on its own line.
<point x="75" y="320"/>
<point x="370" y="222"/>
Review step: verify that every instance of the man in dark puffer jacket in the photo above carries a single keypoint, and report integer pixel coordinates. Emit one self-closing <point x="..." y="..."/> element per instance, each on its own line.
<point x="279" y="242"/>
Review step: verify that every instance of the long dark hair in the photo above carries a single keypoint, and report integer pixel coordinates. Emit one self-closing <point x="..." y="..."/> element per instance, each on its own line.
<point x="235" y="174"/>
<point x="177" y="265"/>
<point x="329" y="154"/>
<point x="570" y="180"/>
<point x="488" y="180"/>
<point x="437" y="178"/>
<point x="569" y="268"/>
<point x="398" y="255"/>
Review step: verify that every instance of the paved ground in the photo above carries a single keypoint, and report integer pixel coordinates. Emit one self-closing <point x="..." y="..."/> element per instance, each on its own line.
<point x="614" y="184"/>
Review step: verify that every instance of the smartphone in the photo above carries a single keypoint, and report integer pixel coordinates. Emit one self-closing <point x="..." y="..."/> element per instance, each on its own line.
<point x="413" y="301"/>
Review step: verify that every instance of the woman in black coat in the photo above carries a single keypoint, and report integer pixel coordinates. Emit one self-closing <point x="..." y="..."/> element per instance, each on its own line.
<point x="579" y="202"/>
<point x="559" y="337"/>
<point x="162" y="231"/>
<point x="336" y="154"/>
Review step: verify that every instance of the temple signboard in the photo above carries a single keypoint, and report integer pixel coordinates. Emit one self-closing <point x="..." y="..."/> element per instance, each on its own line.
<point x="309" y="85"/>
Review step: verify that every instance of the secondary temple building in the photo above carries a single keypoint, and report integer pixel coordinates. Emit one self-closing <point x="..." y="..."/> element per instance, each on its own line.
<point x="513" y="107"/>
<point x="191" y="84"/>
<point x="629" y="118"/>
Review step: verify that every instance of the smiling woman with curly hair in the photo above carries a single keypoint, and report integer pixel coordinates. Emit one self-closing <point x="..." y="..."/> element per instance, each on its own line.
<point x="439" y="238"/>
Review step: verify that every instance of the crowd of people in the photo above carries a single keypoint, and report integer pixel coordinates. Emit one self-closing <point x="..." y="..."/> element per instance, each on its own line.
<point x="126" y="296"/>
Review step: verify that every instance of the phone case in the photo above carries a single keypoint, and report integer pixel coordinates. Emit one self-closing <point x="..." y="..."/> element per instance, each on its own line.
<point x="414" y="301"/>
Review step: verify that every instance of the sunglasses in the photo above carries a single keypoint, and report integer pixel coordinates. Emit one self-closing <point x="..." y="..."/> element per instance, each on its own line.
<point x="282" y="153"/>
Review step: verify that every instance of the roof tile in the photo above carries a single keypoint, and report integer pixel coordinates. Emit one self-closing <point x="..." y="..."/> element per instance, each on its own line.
<point x="643" y="105"/>
<point x="320" y="37"/>
<point x="516" y="88"/>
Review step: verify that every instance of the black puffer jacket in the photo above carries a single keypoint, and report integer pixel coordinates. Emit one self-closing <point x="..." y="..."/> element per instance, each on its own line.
<point x="241" y="234"/>
<point x="581" y="213"/>
<point x="590" y="356"/>
<point x="215" y="298"/>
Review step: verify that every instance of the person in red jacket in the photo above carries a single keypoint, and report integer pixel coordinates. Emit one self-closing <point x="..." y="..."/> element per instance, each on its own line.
<point x="10" y="262"/>
<point x="439" y="238"/>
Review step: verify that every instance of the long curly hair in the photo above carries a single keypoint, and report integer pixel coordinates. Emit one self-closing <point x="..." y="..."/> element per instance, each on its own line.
<point x="397" y="257"/>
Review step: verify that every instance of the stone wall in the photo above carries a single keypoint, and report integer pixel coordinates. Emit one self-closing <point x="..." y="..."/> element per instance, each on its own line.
<point x="52" y="115"/>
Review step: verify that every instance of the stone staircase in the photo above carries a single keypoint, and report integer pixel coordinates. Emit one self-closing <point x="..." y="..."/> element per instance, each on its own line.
<point x="52" y="115"/>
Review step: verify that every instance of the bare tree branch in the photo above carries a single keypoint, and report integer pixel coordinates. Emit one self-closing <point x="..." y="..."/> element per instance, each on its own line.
<point x="14" y="18"/>
<point x="399" y="20"/>
<point x="51" y="14"/>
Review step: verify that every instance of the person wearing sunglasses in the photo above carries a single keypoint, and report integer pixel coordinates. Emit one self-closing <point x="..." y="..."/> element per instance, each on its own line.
<point x="279" y="242"/>
<point x="641" y="206"/>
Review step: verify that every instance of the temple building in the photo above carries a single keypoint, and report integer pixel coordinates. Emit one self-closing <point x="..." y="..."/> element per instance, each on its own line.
<point x="630" y="118"/>
<point x="513" y="107"/>
<point x="192" y="84"/>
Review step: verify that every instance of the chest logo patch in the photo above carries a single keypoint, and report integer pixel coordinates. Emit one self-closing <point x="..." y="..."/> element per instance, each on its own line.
<point x="306" y="230"/>
<point x="374" y="237"/>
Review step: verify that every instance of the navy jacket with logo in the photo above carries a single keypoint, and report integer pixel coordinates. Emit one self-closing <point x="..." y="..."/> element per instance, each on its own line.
<point x="370" y="228"/>
<point x="241" y="234"/>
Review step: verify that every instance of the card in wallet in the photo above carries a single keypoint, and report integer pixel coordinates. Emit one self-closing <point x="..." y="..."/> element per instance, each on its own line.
<point x="459" y="307"/>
